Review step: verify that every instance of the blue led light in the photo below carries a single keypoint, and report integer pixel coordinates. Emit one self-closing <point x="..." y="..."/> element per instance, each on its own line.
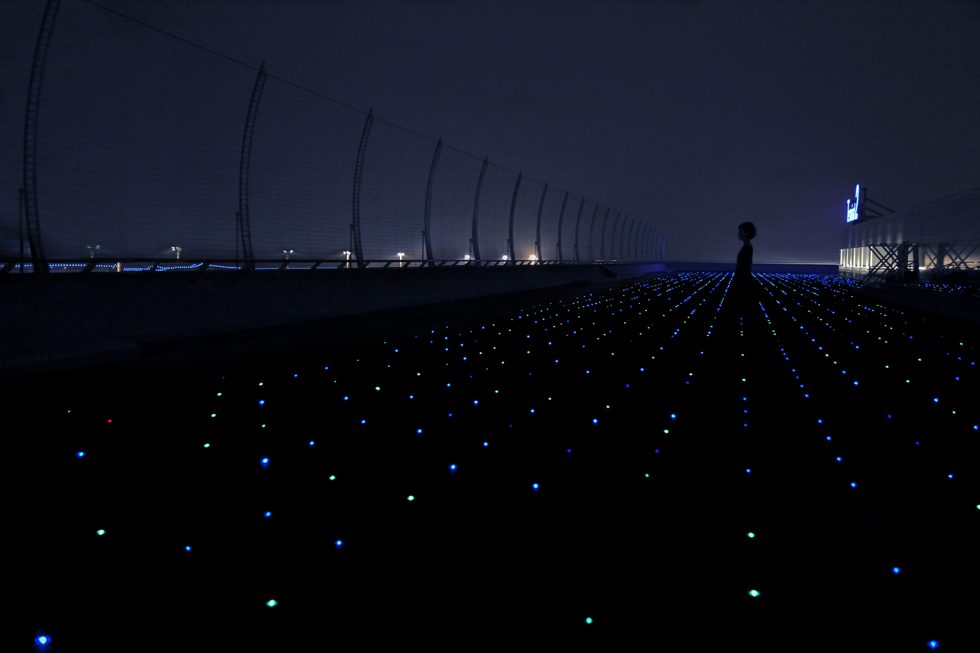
<point x="418" y="431"/>
<point x="896" y="570"/>
<point x="535" y="486"/>
<point x="264" y="462"/>
<point x="261" y="402"/>
<point x="338" y="543"/>
<point x="933" y="644"/>
<point x="452" y="468"/>
<point x="312" y="443"/>
<point x="486" y="444"/>
<point x="853" y="484"/>
<point x="267" y="514"/>
<point x="80" y="454"/>
<point x="42" y="641"/>
<point x="187" y="548"/>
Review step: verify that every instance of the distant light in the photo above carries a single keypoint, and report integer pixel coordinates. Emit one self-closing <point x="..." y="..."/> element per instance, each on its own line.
<point x="853" y="484"/>
<point x="896" y="570"/>
<point x="535" y="486"/>
<point x="338" y="543"/>
<point x="261" y="402"/>
<point x="187" y="548"/>
<point x="42" y="641"/>
<point x="272" y="603"/>
<point x="312" y="443"/>
<point x="933" y="644"/>
<point x="588" y="620"/>
<point x="264" y="462"/>
<point x="754" y="593"/>
<point x="452" y="468"/>
<point x="100" y="532"/>
<point x="750" y="535"/>
<point x="411" y="497"/>
<point x="80" y="454"/>
<point x="267" y="514"/>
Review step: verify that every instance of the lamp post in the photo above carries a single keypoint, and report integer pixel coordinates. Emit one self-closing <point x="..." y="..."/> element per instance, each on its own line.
<point x="177" y="249"/>
<point x="401" y="258"/>
<point x="93" y="250"/>
<point x="346" y="254"/>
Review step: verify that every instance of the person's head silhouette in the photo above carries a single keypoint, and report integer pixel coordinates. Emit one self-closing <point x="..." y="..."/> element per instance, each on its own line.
<point x="746" y="231"/>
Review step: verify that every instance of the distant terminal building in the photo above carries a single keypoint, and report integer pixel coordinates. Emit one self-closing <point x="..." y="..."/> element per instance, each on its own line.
<point x="936" y="238"/>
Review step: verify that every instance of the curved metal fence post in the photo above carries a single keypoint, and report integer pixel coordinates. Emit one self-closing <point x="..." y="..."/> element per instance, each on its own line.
<point x="358" y="170"/>
<point x="537" y="231"/>
<point x="244" y="226"/>
<point x="626" y="241"/>
<point x="622" y="238"/>
<point x="561" y="217"/>
<point x="595" y="212"/>
<point x="427" y="241"/>
<point x="622" y="228"/>
<point x="31" y="219"/>
<point x="578" y="221"/>
<point x="602" y="236"/>
<point x="476" y="210"/>
<point x="513" y="206"/>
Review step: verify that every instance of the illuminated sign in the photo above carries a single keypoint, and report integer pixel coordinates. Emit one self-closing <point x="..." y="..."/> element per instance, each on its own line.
<point x="853" y="209"/>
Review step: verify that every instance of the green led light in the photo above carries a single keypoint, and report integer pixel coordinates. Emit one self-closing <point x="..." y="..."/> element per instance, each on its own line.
<point x="754" y="593"/>
<point x="750" y="535"/>
<point x="207" y="445"/>
<point x="219" y="394"/>
<point x="588" y="620"/>
<point x="271" y="602"/>
<point x="647" y="475"/>
<point x="411" y="497"/>
<point x="332" y="477"/>
<point x="261" y="384"/>
<point x="214" y="414"/>
<point x="101" y="531"/>
<point x="666" y="431"/>
<point x="377" y="388"/>
<point x="263" y="426"/>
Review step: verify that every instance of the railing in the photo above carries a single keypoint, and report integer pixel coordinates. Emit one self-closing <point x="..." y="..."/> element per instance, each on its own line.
<point x="136" y="265"/>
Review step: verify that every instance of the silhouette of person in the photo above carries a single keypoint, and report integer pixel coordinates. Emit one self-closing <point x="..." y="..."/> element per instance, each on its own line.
<point x="742" y="283"/>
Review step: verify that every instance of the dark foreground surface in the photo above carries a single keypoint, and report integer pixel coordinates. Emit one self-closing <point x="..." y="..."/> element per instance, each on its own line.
<point x="649" y="459"/>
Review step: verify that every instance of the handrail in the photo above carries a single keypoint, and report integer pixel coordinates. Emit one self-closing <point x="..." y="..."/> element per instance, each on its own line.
<point x="150" y="265"/>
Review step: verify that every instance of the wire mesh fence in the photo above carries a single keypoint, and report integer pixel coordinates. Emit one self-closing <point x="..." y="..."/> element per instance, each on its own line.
<point x="149" y="146"/>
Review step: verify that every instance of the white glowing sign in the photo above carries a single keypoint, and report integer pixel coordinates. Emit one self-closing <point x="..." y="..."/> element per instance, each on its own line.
<point x="852" y="209"/>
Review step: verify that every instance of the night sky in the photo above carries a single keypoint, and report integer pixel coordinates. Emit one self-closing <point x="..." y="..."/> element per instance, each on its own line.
<point x="693" y="115"/>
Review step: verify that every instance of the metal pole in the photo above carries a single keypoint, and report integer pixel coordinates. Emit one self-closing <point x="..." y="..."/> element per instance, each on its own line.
<point x="475" y="240"/>
<point x="245" y="166"/>
<point x="20" y="231"/>
<point x="358" y="171"/>
<point x="602" y="236"/>
<point x="578" y="221"/>
<point x="31" y="218"/>
<point x="537" y="237"/>
<point x="595" y="212"/>
<point x="427" y="232"/>
<point x="513" y="206"/>
<point x="561" y="216"/>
